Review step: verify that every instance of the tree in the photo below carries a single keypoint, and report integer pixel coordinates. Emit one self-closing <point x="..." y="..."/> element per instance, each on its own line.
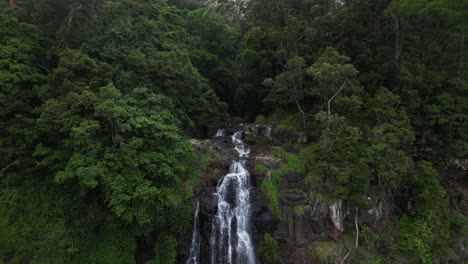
<point x="332" y="73"/>
<point x="19" y="75"/>
<point x="390" y="134"/>
<point x="147" y="45"/>
<point x="127" y="148"/>
<point x="288" y="87"/>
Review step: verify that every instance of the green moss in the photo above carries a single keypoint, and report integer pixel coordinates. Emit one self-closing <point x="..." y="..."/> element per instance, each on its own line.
<point x="268" y="249"/>
<point x="270" y="198"/>
<point x="269" y="188"/>
<point x="260" y="167"/>
<point x="299" y="210"/>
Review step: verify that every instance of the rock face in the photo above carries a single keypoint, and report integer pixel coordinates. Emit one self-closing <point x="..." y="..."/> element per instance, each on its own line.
<point x="454" y="178"/>
<point x="303" y="221"/>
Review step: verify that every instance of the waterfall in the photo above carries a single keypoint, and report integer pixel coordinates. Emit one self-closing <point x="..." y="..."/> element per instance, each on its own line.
<point x="220" y="133"/>
<point x="230" y="240"/>
<point x="195" y="248"/>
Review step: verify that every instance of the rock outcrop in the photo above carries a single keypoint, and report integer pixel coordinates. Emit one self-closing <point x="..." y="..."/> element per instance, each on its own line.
<point x="303" y="221"/>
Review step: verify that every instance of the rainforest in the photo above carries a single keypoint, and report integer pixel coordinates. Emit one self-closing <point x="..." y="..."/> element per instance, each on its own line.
<point x="233" y="131"/>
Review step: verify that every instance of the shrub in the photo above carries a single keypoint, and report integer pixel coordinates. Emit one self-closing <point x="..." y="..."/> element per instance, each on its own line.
<point x="165" y="250"/>
<point x="292" y="121"/>
<point x="260" y="119"/>
<point x="268" y="249"/>
<point x="322" y="250"/>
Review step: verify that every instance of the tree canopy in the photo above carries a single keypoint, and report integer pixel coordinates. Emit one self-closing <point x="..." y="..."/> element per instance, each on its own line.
<point x="99" y="99"/>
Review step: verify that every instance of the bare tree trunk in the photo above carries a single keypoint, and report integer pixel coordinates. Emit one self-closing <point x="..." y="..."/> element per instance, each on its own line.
<point x="357" y="227"/>
<point x="461" y="54"/>
<point x="304" y="120"/>
<point x="12" y="4"/>
<point x="331" y="99"/>
<point x="396" y="29"/>
<point x="357" y="236"/>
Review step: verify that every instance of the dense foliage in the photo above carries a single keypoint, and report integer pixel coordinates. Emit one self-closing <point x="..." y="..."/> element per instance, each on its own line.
<point x="99" y="98"/>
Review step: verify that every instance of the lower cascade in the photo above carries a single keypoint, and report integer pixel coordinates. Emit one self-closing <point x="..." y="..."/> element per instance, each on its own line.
<point x="230" y="241"/>
<point x="194" y="255"/>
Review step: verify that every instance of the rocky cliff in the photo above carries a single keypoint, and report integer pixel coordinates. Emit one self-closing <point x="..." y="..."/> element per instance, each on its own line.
<point x="304" y="220"/>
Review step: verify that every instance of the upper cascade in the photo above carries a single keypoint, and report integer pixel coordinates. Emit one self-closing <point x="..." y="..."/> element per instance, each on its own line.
<point x="239" y="146"/>
<point x="230" y="240"/>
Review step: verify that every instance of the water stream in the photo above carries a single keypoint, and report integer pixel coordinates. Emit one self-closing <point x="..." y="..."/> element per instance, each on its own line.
<point x="194" y="256"/>
<point x="230" y="241"/>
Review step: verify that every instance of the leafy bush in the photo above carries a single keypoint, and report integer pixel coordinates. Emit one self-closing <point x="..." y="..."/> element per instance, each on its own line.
<point x="113" y="244"/>
<point x="294" y="162"/>
<point x="165" y="250"/>
<point x="322" y="250"/>
<point x="292" y="121"/>
<point x="260" y="119"/>
<point x="268" y="249"/>
<point x="180" y="219"/>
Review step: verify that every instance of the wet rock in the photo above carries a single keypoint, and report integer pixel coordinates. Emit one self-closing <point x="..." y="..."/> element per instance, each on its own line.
<point x="461" y="250"/>
<point x="461" y="164"/>
<point x="292" y="254"/>
<point x="265" y="223"/>
<point x="269" y="161"/>
<point x="334" y="234"/>
<point x="264" y="130"/>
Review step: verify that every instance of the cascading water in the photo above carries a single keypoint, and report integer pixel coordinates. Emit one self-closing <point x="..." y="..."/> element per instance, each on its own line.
<point x="230" y="240"/>
<point x="194" y="257"/>
<point x="220" y="133"/>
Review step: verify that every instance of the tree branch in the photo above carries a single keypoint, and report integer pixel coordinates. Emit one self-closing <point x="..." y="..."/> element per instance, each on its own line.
<point x="331" y="99"/>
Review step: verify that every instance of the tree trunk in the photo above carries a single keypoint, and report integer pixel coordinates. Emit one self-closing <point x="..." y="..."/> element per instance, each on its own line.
<point x="304" y="120"/>
<point x="142" y="249"/>
<point x="12" y="4"/>
<point x="396" y="29"/>
<point x="461" y="55"/>
<point x="331" y="99"/>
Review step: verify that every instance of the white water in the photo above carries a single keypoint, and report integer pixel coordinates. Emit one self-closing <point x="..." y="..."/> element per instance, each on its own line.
<point x="220" y="132"/>
<point x="230" y="240"/>
<point x="194" y="257"/>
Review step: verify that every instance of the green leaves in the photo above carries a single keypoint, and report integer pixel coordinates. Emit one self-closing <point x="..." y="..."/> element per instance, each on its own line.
<point x="127" y="147"/>
<point x="149" y="47"/>
<point x="268" y="248"/>
<point x="18" y="76"/>
<point x="392" y="132"/>
<point x="425" y="227"/>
